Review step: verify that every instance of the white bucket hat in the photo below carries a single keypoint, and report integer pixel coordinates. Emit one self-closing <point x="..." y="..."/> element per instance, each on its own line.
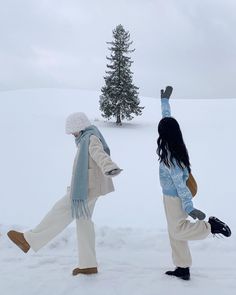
<point x="76" y="122"/>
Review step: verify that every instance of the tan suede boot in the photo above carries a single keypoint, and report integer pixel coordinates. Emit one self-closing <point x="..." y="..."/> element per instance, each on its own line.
<point x="85" y="271"/>
<point x="18" y="238"/>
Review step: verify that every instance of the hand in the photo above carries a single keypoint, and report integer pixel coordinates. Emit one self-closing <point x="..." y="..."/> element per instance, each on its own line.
<point x="167" y="92"/>
<point x="195" y="213"/>
<point x="114" y="172"/>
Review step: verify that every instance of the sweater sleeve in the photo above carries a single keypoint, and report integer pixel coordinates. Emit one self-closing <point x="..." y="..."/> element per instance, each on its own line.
<point x="165" y="107"/>
<point x="98" y="154"/>
<point x="183" y="191"/>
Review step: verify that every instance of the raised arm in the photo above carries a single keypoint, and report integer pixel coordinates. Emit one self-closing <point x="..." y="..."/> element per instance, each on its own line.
<point x="165" y="108"/>
<point x="165" y="105"/>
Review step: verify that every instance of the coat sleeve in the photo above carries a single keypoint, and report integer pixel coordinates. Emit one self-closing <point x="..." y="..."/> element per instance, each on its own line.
<point x="183" y="191"/>
<point x="98" y="154"/>
<point x="165" y="108"/>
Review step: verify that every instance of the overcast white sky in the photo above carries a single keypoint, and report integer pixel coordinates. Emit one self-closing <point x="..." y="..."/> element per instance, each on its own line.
<point x="189" y="44"/>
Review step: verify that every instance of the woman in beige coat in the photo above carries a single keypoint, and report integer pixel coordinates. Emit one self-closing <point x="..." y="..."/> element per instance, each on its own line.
<point x="91" y="178"/>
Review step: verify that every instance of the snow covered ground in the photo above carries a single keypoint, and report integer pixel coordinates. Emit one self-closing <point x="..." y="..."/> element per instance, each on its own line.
<point x="130" y="261"/>
<point x="132" y="244"/>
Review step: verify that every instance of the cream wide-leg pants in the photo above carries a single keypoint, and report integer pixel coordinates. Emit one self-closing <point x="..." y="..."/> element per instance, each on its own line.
<point x="182" y="230"/>
<point x="56" y="221"/>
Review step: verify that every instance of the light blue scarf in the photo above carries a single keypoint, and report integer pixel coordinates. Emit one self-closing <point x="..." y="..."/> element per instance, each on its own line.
<point x="79" y="183"/>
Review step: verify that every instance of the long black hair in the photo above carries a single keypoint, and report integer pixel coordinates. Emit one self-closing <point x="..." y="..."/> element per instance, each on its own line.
<point x="170" y="144"/>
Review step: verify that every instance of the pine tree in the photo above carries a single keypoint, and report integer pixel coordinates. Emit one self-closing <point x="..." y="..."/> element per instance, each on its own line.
<point x="119" y="97"/>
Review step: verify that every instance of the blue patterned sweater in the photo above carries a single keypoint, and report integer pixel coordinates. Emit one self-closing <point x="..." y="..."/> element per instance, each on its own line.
<point x="173" y="179"/>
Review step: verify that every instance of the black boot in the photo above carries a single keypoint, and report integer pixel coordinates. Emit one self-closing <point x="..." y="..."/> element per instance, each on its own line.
<point x="219" y="227"/>
<point x="180" y="272"/>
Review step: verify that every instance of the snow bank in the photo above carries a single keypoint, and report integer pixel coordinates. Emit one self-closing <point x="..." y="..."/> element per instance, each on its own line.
<point x="132" y="244"/>
<point x="36" y="156"/>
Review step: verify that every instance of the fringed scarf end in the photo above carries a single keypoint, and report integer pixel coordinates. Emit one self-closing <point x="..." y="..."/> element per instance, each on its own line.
<point x="80" y="209"/>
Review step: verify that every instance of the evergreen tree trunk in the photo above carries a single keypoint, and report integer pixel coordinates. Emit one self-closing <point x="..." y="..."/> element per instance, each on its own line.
<point x="118" y="119"/>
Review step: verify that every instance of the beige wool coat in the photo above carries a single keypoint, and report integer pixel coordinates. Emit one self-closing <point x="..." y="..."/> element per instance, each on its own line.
<point x="99" y="163"/>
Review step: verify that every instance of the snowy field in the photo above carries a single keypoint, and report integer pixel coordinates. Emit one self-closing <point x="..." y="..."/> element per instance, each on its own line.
<point x="130" y="261"/>
<point x="132" y="243"/>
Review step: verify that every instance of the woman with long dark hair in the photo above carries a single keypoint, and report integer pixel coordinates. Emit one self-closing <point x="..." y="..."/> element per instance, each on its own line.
<point x="174" y="172"/>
